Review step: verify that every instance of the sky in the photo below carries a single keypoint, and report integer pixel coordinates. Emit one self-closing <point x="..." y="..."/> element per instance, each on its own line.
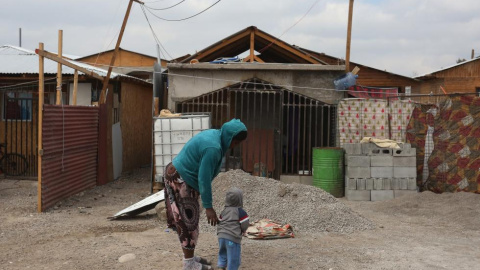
<point x="407" y="37"/>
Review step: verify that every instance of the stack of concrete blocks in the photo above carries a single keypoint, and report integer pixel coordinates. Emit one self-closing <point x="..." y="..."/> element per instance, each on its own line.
<point x="375" y="174"/>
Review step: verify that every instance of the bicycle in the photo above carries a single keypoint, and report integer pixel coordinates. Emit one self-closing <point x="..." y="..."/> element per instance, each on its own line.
<point x="12" y="164"/>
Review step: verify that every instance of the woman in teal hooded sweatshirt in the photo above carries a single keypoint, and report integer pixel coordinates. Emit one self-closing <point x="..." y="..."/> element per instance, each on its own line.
<point x="189" y="177"/>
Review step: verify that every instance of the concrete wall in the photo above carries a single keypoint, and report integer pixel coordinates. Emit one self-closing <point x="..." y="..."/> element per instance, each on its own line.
<point x="84" y="94"/>
<point x="299" y="179"/>
<point x="191" y="80"/>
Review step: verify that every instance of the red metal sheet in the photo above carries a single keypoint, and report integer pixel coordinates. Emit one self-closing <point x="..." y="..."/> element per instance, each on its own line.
<point x="70" y="146"/>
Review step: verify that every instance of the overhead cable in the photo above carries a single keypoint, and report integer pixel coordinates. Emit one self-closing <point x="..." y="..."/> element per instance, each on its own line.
<point x="166" y="7"/>
<point x="153" y="33"/>
<point x="184" y="19"/>
<point x="288" y="29"/>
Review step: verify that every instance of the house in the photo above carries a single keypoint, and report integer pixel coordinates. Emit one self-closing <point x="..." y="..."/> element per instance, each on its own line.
<point x="463" y="77"/>
<point x="285" y="95"/>
<point x="276" y="90"/>
<point x="130" y="105"/>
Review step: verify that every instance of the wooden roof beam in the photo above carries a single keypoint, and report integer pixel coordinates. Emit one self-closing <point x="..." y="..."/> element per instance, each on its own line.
<point x="258" y="59"/>
<point x="64" y="62"/>
<point x="287" y="47"/>
<point x="252" y="46"/>
<point x="223" y="43"/>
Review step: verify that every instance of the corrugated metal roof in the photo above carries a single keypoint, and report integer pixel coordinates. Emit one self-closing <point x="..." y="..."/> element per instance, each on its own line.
<point x="452" y="66"/>
<point x="16" y="60"/>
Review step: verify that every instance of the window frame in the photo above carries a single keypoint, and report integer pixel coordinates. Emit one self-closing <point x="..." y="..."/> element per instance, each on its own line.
<point x="17" y="95"/>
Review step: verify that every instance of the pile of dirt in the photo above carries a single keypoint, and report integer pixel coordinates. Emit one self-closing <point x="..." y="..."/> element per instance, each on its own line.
<point x="308" y="209"/>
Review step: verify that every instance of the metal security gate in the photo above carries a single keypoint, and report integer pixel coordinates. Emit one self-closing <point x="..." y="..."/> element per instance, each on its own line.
<point x="21" y="118"/>
<point x="307" y="123"/>
<point x="283" y="126"/>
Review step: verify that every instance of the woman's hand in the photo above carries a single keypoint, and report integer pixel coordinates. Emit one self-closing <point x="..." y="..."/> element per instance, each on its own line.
<point x="211" y="216"/>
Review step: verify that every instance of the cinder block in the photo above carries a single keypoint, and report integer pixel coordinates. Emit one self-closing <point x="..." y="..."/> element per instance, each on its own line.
<point x="402" y="183"/>
<point x="358" y="172"/>
<point x="406" y="146"/>
<point x="357" y="195"/>
<point x="358" y="161"/>
<point x="381" y="161"/>
<point x="381" y="195"/>
<point x="395" y="184"/>
<point x="361" y="184"/>
<point x="404" y="161"/>
<point x="351" y="183"/>
<point x="400" y="193"/>
<point x="378" y="151"/>
<point x="405" y="152"/>
<point x="381" y="172"/>
<point x="378" y="183"/>
<point x="369" y="184"/>
<point x="366" y="147"/>
<point x="387" y="183"/>
<point x="412" y="183"/>
<point x="403" y="172"/>
<point x="353" y="148"/>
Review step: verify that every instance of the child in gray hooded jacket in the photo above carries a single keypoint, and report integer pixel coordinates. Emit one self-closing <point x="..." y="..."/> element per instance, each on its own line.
<point x="233" y="223"/>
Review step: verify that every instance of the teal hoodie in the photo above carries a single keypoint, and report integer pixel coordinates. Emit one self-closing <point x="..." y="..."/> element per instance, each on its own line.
<point x="200" y="159"/>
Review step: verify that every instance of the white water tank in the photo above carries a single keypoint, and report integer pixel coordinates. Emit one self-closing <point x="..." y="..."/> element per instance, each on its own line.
<point x="171" y="134"/>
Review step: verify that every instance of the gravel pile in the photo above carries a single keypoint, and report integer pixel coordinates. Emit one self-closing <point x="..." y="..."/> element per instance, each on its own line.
<point x="308" y="209"/>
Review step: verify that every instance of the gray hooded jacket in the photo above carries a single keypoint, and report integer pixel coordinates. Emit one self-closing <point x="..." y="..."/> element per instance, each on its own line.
<point x="233" y="219"/>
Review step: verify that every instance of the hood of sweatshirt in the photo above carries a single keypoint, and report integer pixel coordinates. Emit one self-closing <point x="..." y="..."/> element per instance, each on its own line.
<point x="228" y="131"/>
<point x="234" y="198"/>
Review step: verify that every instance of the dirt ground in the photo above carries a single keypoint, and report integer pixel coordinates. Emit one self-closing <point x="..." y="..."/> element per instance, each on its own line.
<point x="423" y="231"/>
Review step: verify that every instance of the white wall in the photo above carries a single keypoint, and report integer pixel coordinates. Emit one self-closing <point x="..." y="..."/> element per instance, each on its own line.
<point x="84" y="94"/>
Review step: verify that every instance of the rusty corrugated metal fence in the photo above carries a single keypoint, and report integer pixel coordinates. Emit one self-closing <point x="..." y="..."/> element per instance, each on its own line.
<point x="70" y="146"/>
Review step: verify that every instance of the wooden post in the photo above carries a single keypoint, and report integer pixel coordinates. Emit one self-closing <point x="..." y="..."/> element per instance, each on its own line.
<point x="473" y="53"/>
<point x="156" y="106"/>
<point x="75" y="87"/>
<point x="112" y="62"/>
<point x="349" y="36"/>
<point x="59" y="68"/>
<point x="41" y="96"/>
<point x="252" y="46"/>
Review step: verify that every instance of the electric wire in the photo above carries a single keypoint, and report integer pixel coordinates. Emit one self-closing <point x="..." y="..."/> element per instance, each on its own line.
<point x="183" y="19"/>
<point x="166" y="7"/>
<point x="288" y="29"/>
<point x="235" y="81"/>
<point x="154" y="34"/>
<point x="149" y="2"/>
<point x="132" y="69"/>
<point x="108" y="31"/>
<point x="25" y="83"/>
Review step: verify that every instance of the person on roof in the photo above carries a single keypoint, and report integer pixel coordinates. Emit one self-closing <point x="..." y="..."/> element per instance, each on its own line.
<point x="189" y="177"/>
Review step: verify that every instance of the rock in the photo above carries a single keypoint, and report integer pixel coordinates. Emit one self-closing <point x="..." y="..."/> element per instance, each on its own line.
<point x="282" y="191"/>
<point x="127" y="257"/>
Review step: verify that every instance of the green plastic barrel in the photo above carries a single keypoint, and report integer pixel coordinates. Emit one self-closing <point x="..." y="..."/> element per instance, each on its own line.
<point x="328" y="170"/>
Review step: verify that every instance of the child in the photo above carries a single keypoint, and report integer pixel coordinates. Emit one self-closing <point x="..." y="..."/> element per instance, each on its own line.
<point x="233" y="223"/>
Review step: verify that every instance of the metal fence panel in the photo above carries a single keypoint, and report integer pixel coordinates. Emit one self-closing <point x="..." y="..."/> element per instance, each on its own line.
<point x="70" y="144"/>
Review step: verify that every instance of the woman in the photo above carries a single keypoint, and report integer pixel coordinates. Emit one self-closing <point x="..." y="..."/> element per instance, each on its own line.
<point x="189" y="177"/>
